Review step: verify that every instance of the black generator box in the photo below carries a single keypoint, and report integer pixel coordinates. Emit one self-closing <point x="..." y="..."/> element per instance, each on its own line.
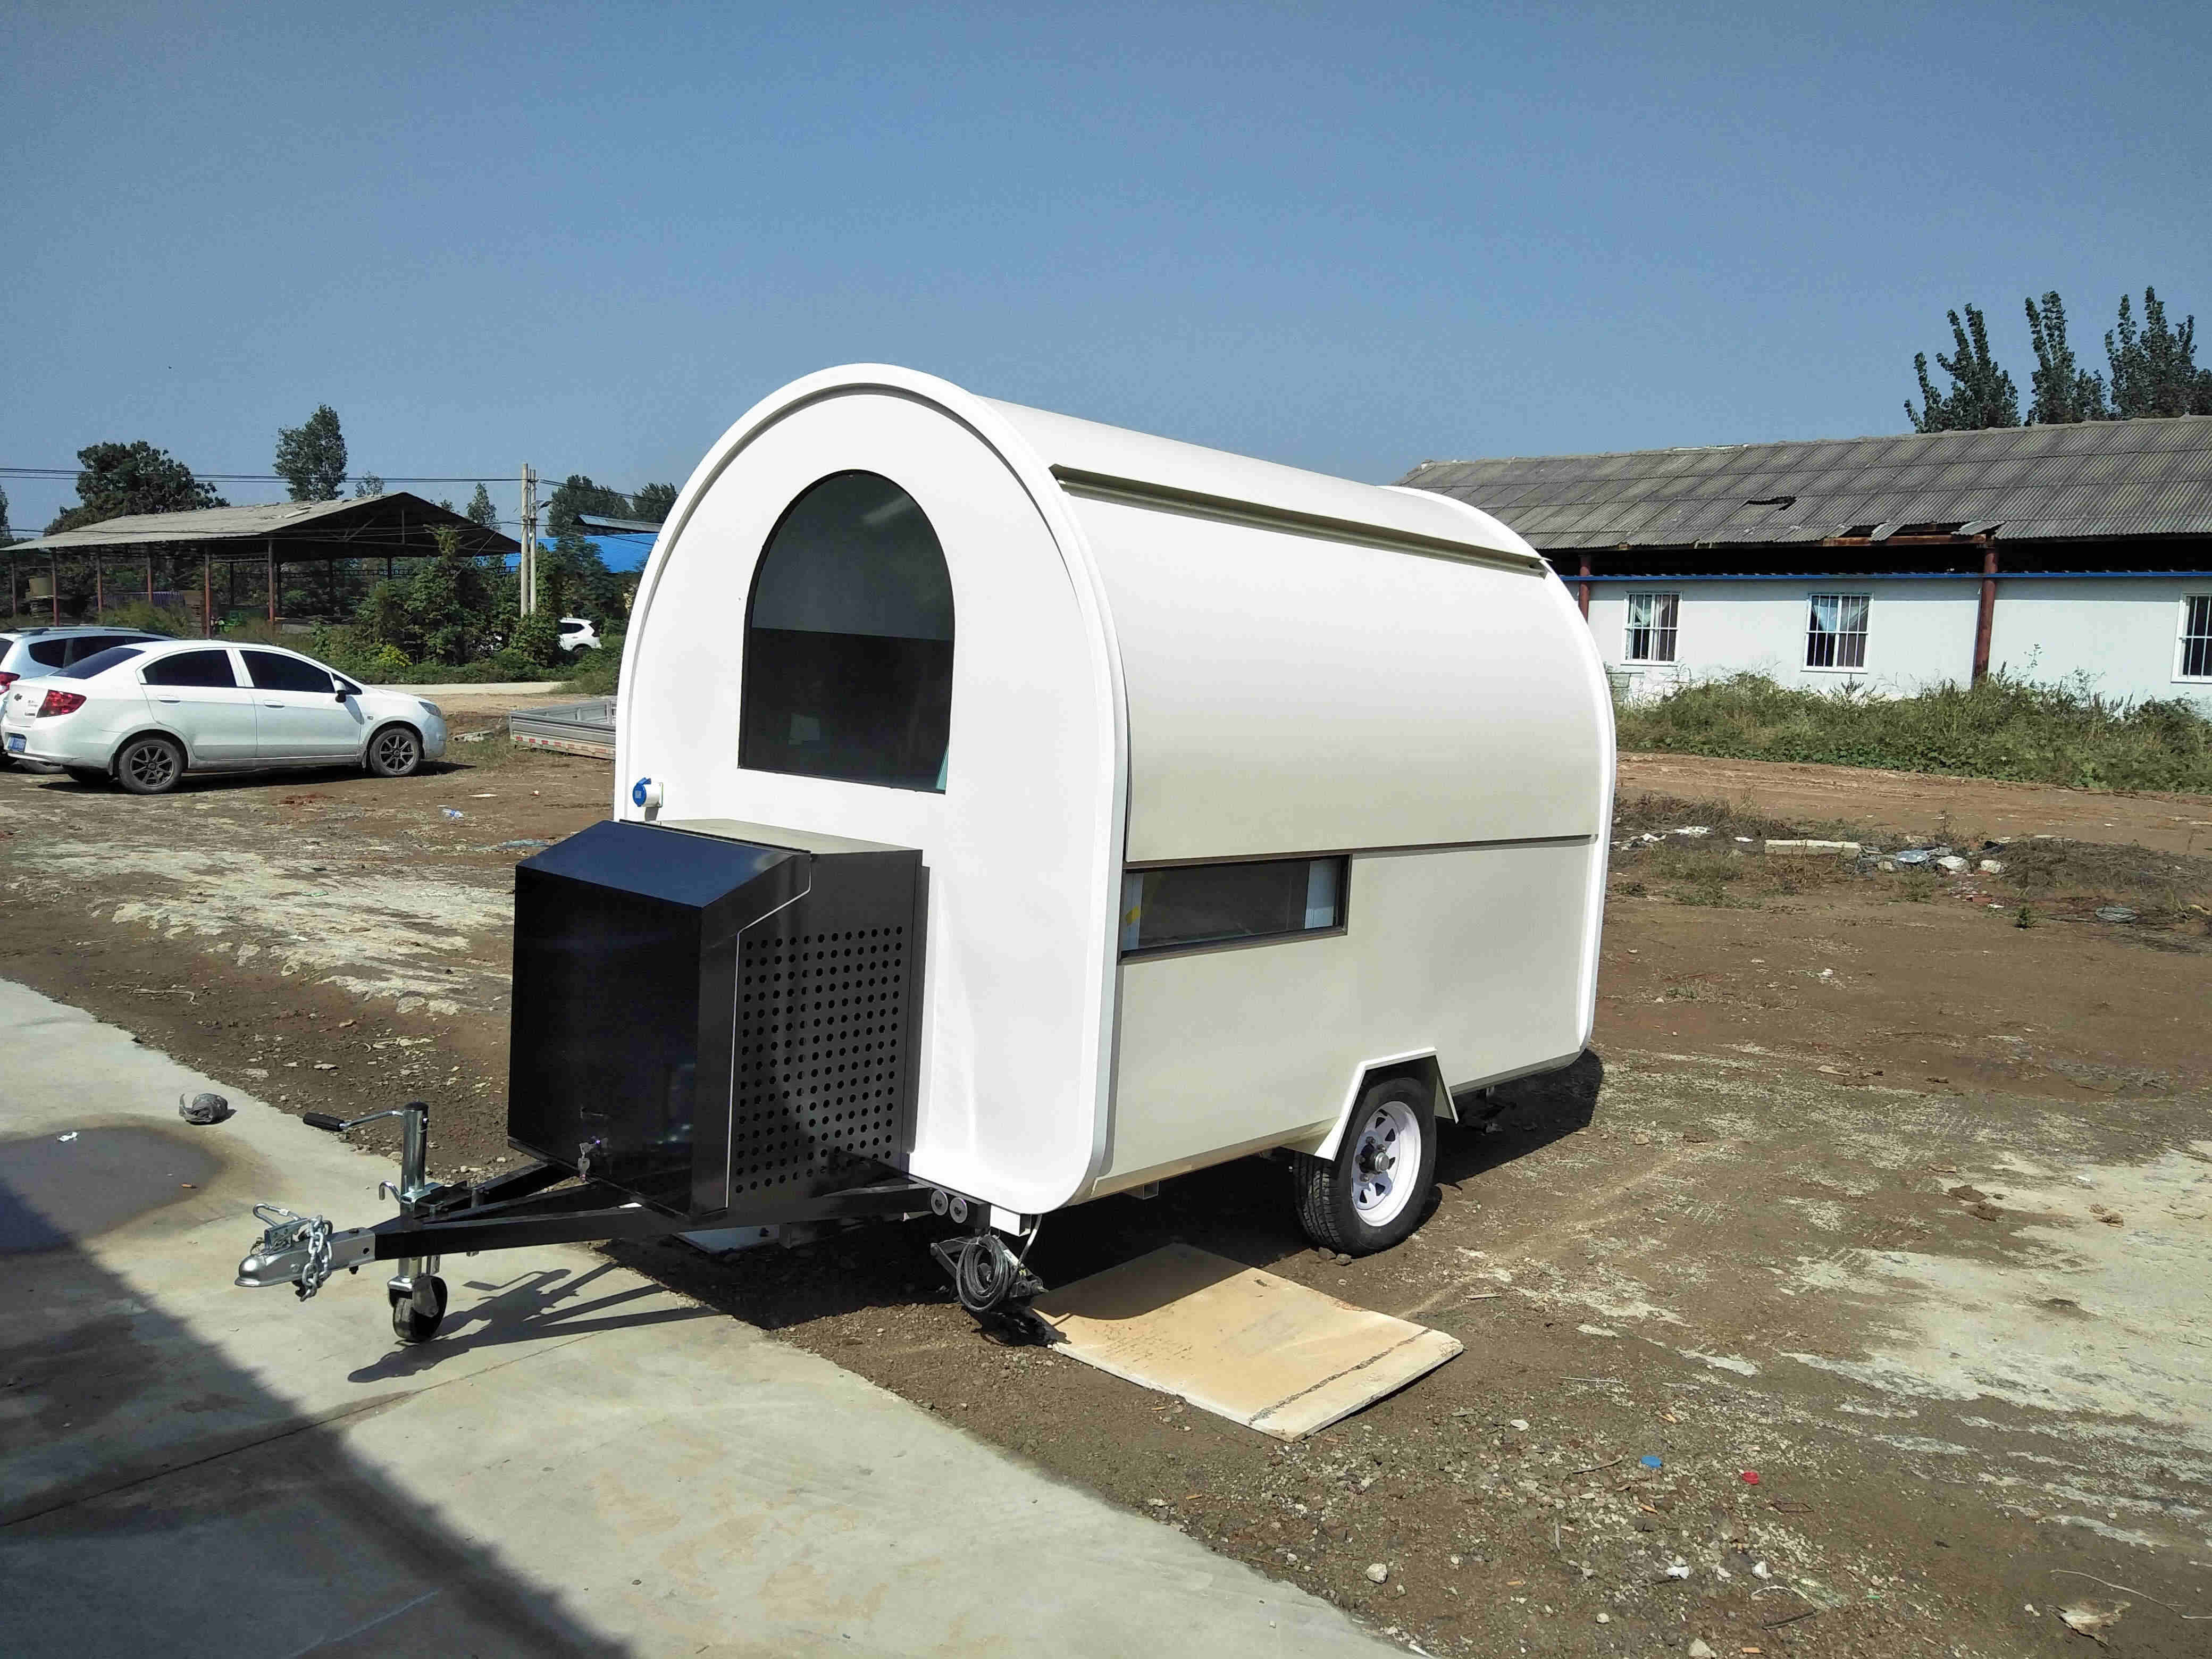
<point x="716" y="1011"/>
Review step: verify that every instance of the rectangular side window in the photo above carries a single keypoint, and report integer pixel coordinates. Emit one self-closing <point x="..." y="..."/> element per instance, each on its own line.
<point x="1199" y="904"/>
<point x="2197" y="637"/>
<point x="192" y="668"/>
<point x="1651" y="619"/>
<point x="1836" y="631"/>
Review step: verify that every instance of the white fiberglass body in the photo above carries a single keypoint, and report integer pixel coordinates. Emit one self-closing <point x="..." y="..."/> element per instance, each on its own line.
<point x="1160" y="656"/>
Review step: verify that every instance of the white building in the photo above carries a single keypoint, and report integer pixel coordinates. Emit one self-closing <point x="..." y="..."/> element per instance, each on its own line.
<point x="1894" y="563"/>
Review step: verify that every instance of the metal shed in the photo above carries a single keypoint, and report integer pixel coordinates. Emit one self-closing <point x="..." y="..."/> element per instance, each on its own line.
<point x="397" y="524"/>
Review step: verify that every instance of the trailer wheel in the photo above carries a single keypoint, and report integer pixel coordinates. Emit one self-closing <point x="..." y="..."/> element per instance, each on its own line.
<point x="1370" y="1195"/>
<point x="410" y="1324"/>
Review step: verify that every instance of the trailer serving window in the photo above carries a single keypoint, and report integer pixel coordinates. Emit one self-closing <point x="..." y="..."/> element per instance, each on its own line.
<point x="848" y="640"/>
<point x="1197" y="904"/>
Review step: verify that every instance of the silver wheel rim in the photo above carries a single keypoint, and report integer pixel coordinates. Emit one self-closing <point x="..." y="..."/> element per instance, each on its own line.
<point x="153" y="764"/>
<point x="1386" y="1161"/>
<point x="395" y="751"/>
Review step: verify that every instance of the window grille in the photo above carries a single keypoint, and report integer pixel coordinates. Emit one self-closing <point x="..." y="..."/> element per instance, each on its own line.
<point x="1836" y="631"/>
<point x="2196" y="636"/>
<point x="1651" y="626"/>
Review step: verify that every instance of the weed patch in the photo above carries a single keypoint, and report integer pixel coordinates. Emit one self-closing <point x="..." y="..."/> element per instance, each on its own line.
<point x="2002" y="728"/>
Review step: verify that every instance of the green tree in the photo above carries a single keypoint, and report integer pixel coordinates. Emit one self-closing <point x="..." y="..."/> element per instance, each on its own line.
<point x="449" y="602"/>
<point x="2154" y="369"/>
<point x="577" y="493"/>
<point x="537" y="639"/>
<point x="1981" y="395"/>
<point x="653" y="503"/>
<point x="481" y="511"/>
<point x="445" y="611"/>
<point x="117" y="480"/>
<point x="311" y="457"/>
<point x="367" y="485"/>
<point x="5" y="533"/>
<point x="570" y="574"/>
<point x="2065" y="392"/>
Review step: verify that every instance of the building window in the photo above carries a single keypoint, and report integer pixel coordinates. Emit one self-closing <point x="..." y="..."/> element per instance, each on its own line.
<point x="2197" y="637"/>
<point x="1198" y="904"/>
<point x="1651" y="626"/>
<point x="848" y="640"/>
<point x="1836" y="631"/>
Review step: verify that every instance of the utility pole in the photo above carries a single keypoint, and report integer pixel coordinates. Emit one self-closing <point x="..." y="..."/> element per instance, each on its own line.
<point x="527" y="571"/>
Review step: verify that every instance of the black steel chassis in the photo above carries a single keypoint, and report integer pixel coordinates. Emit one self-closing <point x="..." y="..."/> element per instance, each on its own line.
<point x="530" y="1207"/>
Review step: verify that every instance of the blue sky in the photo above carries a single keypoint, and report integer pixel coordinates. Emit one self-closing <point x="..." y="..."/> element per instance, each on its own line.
<point x="1346" y="237"/>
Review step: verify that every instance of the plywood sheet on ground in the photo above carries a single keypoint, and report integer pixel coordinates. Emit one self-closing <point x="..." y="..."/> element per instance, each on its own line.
<point x="1252" y="1347"/>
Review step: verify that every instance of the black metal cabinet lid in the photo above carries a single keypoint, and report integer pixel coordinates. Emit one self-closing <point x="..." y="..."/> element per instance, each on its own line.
<point x="640" y="857"/>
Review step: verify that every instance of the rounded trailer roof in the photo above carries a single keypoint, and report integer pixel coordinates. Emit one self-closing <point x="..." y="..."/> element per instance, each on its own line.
<point x="1092" y="460"/>
<point x="1287" y="662"/>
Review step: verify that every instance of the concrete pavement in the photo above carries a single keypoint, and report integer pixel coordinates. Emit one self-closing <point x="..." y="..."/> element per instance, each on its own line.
<point x="580" y="1463"/>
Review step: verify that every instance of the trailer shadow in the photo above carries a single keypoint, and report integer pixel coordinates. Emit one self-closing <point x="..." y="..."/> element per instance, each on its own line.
<point x="1241" y="1210"/>
<point x="159" y="1499"/>
<point x="531" y="1307"/>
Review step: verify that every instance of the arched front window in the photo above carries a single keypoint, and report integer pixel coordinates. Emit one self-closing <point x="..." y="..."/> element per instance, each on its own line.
<point x="848" y="640"/>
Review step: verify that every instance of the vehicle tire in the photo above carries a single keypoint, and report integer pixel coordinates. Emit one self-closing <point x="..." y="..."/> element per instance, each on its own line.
<point x="1373" y="1193"/>
<point x="149" y="765"/>
<point x="396" y="751"/>
<point x="409" y="1323"/>
<point x="90" y="776"/>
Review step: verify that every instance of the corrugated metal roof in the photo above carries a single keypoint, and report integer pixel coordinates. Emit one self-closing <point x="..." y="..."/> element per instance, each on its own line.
<point x="2151" y="478"/>
<point x="366" y="523"/>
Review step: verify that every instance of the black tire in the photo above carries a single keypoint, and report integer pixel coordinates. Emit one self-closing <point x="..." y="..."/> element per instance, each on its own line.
<point x="394" y="751"/>
<point x="90" y="776"/>
<point x="409" y="1323"/>
<point x="149" y="765"/>
<point x="1366" y="1199"/>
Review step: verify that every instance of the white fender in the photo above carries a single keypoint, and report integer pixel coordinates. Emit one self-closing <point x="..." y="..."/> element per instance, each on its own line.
<point x="1420" y="1059"/>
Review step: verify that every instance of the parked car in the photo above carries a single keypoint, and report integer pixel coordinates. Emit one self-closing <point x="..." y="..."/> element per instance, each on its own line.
<point x="577" y="634"/>
<point x="147" y="713"/>
<point x="28" y="654"/>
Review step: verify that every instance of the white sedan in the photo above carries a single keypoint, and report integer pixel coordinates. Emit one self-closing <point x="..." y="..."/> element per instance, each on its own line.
<point x="146" y="714"/>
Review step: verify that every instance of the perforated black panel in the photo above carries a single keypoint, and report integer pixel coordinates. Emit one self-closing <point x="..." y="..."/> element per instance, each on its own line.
<point x="823" y="1026"/>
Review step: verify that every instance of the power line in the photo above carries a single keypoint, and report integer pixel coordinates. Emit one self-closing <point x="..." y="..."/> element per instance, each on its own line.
<point x="275" y="477"/>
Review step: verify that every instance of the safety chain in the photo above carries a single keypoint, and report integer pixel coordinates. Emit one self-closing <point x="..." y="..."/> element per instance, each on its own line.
<point x="315" y="1234"/>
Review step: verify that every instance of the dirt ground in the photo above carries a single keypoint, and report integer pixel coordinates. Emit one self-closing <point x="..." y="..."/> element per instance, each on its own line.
<point x="1890" y="1188"/>
<point x="1899" y="801"/>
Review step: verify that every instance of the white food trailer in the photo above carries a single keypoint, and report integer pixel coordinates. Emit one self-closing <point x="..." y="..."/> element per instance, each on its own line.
<point x="1155" y="807"/>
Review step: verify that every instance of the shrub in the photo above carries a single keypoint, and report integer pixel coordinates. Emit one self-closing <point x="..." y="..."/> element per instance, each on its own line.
<point x="2004" y="727"/>
<point x="536" y="640"/>
<point x="137" y="613"/>
<point x="600" y="671"/>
